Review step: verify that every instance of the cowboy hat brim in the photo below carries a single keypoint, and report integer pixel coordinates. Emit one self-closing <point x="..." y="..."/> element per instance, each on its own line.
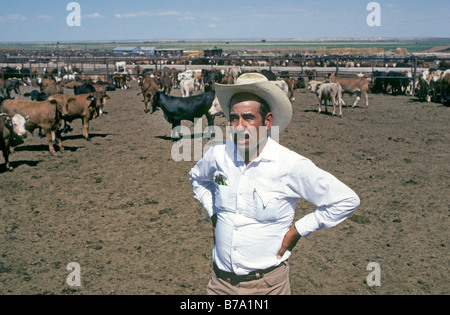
<point x="259" y="85"/>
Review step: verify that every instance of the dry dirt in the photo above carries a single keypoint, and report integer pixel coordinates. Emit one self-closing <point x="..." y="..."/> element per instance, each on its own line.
<point x="123" y="209"/>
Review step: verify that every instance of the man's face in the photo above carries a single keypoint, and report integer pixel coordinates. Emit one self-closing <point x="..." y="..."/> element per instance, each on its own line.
<point x="249" y="128"/>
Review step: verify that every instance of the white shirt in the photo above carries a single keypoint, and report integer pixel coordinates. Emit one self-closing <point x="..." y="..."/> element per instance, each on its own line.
<point x="255" y="204"/>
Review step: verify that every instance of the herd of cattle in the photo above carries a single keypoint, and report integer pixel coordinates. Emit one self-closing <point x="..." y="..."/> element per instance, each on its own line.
<point x="52" y="111"/>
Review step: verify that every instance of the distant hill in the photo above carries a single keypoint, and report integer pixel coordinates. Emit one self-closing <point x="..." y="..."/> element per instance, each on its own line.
<point x="438" y="49"/>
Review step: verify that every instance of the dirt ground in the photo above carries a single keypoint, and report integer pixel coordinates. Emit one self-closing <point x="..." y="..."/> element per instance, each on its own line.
<point x="123" y="209"/>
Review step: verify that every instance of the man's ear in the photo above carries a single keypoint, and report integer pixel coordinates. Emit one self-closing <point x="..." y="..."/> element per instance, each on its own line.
<point x="269" y="120"/>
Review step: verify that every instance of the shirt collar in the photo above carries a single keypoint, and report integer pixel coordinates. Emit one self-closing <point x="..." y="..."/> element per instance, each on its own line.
<point x="268" y="154"/>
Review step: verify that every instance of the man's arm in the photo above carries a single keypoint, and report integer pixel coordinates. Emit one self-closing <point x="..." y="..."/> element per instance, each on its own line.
<point x="335" y="201"/>
<point x="290" y="240"/>
<point x="202" y="180"/>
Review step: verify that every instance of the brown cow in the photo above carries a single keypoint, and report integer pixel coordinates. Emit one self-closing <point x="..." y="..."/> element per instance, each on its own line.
<point x="73" y="84"/>
<point x="228" y="79"/>
<point x="149" y="88"/>
<point x="79" y="107"/>
<point x="82" y="107"/>
<point x="50" y="87"/>
<point x="120" y="80"/>
<point x="165" y="84"/>
<point x="10" y="127"/>
<point x="353" y="85"/>
<point x="291" y="86"/>
<point x="45" y="115"/>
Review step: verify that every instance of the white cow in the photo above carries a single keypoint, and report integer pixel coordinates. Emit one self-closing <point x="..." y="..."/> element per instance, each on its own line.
<point x="187" y="87"/>
<point x="216" y="109"/>
<point x="282" y="85"/>
<point x="188" y="74"/>
<point x="121" y="66"/>
<point x="328" y="92"/>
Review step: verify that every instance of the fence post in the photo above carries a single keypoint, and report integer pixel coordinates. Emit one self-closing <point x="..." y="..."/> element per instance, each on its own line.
<point x="337" y="66"/>
<point x="107" y="71"/>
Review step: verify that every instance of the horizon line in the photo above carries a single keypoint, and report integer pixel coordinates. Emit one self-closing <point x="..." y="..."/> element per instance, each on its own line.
<point x="254" y="39"/>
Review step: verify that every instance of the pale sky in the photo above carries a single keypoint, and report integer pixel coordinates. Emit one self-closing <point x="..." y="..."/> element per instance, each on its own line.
<point x="45" y="20"/>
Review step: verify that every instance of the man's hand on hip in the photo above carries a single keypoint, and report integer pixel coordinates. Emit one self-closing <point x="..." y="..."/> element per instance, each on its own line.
<point x="290" y="240"/>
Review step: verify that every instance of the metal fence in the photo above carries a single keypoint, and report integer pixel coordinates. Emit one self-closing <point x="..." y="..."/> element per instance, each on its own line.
<point x="37" y="63"/>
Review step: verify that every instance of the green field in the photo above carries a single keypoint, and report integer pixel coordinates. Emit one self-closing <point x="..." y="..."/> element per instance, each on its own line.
<point x="232" y="45"/>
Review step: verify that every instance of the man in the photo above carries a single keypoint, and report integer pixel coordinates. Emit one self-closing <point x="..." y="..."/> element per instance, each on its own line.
<point x="250" y="187"/>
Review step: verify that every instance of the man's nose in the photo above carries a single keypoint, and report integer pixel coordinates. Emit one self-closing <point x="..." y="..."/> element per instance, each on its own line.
<point x="241" y="125"/>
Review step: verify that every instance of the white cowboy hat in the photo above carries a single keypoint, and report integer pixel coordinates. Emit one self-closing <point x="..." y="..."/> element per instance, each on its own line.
<point x="259" y="85"/>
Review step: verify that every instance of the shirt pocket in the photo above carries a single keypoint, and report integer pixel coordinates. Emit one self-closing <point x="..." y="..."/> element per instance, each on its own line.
<point x="223" y="195"/>
<point x="266" y="206"/>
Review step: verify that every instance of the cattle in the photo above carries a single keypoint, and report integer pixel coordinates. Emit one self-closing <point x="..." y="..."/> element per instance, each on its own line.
<point x="36" y="96"/>
<point x="174" y="75"/>
<point x="311" y="74"/>
<point x="398" y="82"/>
<point x="188" y="74"/>
<point x="216" y="109"/>
<point x="10" y="128"/>
<point x="46" y="115"/>
<point x="446" y="89"/>
<point x="352" y="86"/>
<point x="120" y="80"/>
<point x="12" y="85"/>
<point x="187" y="87"/>
<point x="328" y="92"/>
<point x="210" y="78"/>
<point x="83" y="106"/>
<point x="98" y="92"/>
<point x="436" y="83"/>
<point x="149" y="88"/>
<point x="269" y="75"/>
<point x="165" y="83"/>
<point x="121" y="66"/>
<point x="424" y="86"/>
<point x="198" y="80"/>
<point x="50" y="87"/>
<point x="379" y="84"/>
<point x="228" y="79"/>
<point x="300" y="83"/>
<point x="73" y="84"/>
<point x="292" y="85"/>
<point x="282" y="85"/>
<point x="177" y="109"/>
<point x="4" y="95"/>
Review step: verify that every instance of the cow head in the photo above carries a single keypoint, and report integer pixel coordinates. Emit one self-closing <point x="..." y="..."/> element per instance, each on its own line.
<point x="216" y="109"/>
<point x="313" y="86"/>
<point x="100" y="101"/>
<point x="16" y="124"/>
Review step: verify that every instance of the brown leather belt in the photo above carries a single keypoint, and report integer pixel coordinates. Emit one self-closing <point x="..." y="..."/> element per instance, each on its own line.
<point x="235" y="279"/>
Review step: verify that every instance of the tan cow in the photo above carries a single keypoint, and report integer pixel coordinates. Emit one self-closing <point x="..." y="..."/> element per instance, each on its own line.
<point x="353" y="85"/>
<point x="327" y="92"/>
<point x="149" y="88"/>
<point x="45" y="115"/>
<point x="82" y="107"/>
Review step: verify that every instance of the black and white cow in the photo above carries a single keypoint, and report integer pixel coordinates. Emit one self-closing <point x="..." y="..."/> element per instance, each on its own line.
<point x="177" y="109"/>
